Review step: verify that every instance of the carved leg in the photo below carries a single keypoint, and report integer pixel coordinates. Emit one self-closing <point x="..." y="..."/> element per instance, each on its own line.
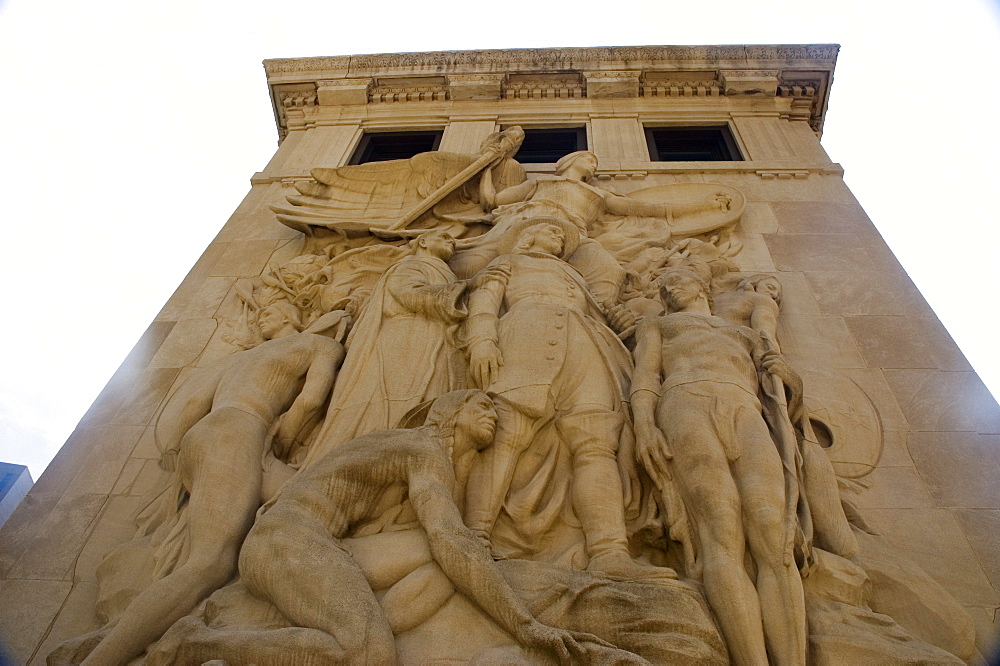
<point x="592" y="437"/>
<point x="688" y="420"/>
<point x="220" y="463"/>
<point x="759" y="477"/>
<point x="491" y="474"/>
<point x="291" y="560"/>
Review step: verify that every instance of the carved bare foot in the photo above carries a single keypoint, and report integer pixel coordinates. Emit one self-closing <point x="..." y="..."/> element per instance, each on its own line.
<point x="620" y="566"/>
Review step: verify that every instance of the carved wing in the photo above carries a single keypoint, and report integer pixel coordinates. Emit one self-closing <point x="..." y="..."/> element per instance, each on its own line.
<point x="367" y="197"/>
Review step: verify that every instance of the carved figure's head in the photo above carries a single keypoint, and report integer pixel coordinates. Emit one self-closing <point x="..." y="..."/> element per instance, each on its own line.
<point x="582" y="164"/>
<point x="436" y="243"/>
<point x="551" y="235"/>
<point x="765" y="284"/>
<point x="279" y="319"/>
<point x="682" y="287"/>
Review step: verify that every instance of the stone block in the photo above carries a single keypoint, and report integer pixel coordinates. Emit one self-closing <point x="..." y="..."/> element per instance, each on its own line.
<point x="810" y="252"/>
<point x="106" y="459"/>
<point x="961" y="469"/>
<point x="339" y="92"/>
<point x="753" y="256"/>
<point x="875" y="386"/>
<point x="150" y="389"/>
<point x="22" y="526"/>
<point x="186" y="341"/>
<point x="244" y="259"/>
<point x="823" y="340"/>
<point x="76" y="617"/>
<point x="140" y="476"/>
<point x="206" y="301"/>
<point x="146" y="447"/>
<point x="465" y="87"/>
<point x="758" y="218"/>
<point x="894" y="451"/>
<point x="52" y="554"/>
<point x="982" y="527"/>
<point x="797" y="296"/>
<point x="611" y="84"/>
<point x="26" y="614"/>
<point x="905" y="342"/>
<point x="818" y="217"/>
<point x="893" y="488"/>
<point x="933" y="539"/>
<point x="936" y="400"/>
<point x="178" y="302"/>
<point x="865" y="293"/>
<point x="115" y="525"/>
<point x="71" y="457"/>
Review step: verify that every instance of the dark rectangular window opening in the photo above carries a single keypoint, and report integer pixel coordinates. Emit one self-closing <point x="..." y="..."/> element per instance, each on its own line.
<point x="382" y="146"/>
<point x="542" y="146"/>
<point x="692" y="144"/>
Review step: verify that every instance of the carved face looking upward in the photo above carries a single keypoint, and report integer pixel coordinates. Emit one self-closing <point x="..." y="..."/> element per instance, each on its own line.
<point x="679" y="289"/>
<point x="477" y="421"/>
<point x="581" y="165"/>
<point x="272" y="321"/>
<point x="439" y="244"/>
<point x="547" y="238"/>
<point x="770" y="287"/>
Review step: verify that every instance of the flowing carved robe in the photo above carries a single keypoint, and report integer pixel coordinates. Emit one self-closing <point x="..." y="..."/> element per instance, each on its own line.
<point x="401" y="352"/>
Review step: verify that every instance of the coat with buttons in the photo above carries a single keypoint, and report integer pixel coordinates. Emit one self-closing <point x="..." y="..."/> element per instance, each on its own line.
<point x="541" y="317"/>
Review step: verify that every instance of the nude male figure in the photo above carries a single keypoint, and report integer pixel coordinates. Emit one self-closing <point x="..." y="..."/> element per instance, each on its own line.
<point x="698" y="418"/>
<point x="212" y="434"/>
<point x="293" y="556"/>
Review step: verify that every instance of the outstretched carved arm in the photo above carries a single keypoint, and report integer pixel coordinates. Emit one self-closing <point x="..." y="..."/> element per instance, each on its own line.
<point x="622" y="205"/>
<point x="467" y="563"/>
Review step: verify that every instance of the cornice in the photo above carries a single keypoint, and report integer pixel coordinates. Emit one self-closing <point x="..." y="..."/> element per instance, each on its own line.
<point x="544" y="58"/>
<point x="802" y="72"/>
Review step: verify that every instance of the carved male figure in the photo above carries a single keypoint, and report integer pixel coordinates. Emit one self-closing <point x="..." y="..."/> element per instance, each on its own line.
<point x="698" y="418"/>
<point x="293" y="556"/>
<point x="756" y="303"/>
<point x="524" y="358"/>
<point x="215" y="427"/>
<point x="568" y="195"/>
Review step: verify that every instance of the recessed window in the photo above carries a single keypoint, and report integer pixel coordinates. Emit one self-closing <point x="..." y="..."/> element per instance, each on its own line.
<point x="382" y="146"/>
<point x="692" y="144"/>
<point x="548" y="145"/>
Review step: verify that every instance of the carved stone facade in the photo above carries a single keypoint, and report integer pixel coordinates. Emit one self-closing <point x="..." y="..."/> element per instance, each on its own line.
<point x="459" y="408"/>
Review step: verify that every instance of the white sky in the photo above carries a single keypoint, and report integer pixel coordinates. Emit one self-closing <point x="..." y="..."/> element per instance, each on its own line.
<point x="129" y="131"/>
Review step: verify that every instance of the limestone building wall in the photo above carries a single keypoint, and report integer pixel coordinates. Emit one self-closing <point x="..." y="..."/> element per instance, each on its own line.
<point x="848" y="305"/>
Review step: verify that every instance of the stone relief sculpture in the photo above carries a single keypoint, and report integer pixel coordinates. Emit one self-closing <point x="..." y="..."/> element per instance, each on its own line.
<point x="212" y="435"/>
<point x="699" y="424"/>
<point x="563" y="430"/>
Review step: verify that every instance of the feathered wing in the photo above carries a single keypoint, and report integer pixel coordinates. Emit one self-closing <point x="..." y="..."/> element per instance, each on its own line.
<point x="368" y="197"/>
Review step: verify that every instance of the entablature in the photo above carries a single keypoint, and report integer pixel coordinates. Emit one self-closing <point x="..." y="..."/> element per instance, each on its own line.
<point x="799" y="74"/>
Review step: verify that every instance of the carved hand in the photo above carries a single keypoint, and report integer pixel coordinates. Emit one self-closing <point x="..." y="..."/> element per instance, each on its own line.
<point x="652" y="451"/>
<point x="620" y="318"/>
<point x="721" y="201"/>
<point x="774" y="363"/>
<point x="565" y="644"/>
<point x="485" y="362"/>
<point x="495" y="272"/>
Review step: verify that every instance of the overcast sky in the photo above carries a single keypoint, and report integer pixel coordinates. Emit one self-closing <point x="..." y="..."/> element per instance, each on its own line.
<point x="130" y="131"/>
